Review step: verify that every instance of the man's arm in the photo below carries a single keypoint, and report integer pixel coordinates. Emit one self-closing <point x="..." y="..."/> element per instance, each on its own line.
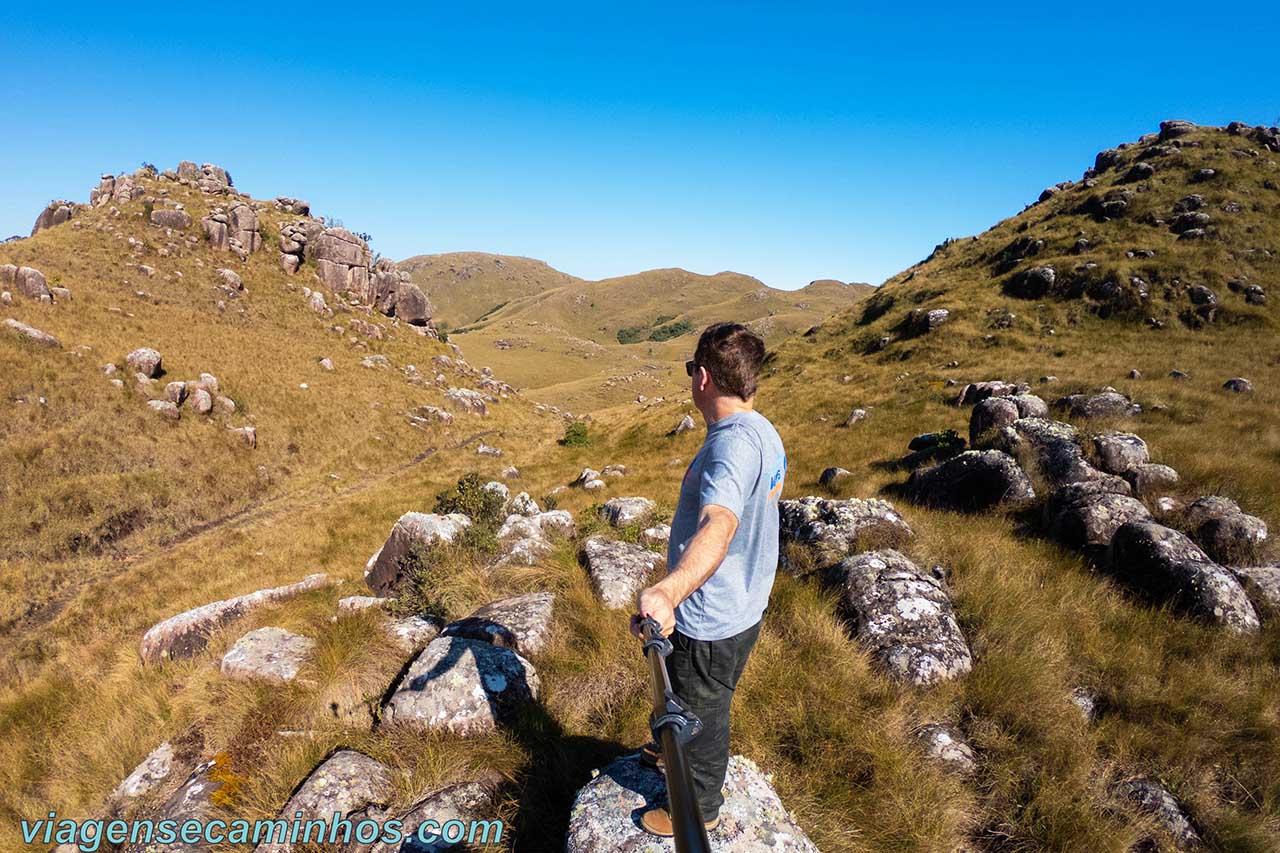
<point x="701" y="557"/>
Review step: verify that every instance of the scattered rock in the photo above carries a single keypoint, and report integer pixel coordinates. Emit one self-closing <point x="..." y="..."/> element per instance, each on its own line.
<point x="973" y="481"/>
<point x="622" y="512"/>
<point x="1120" y="452"/>
<point x="248" y="434"/>
<point x="945" y="745"/>
<point x="1154" y="799"/>
<point x="411" y="537"/>
<point x="686" y="424"/>
<point x="1150" y="479"/>
<point x="1239" y="385"/>
<point x="165" y="409"/>
<point x="521" y="623"/>
<point x="1087" y="515"/>
<point x="347" y="785"/>
<point x="831" y="476"/>
<point x="855" y="416"/>
<point x="32" y="333"/>
<point x="618" y="570"/>
<point x="976" y="392"/>
<point x="1226" y="533"/>
<point x="834" y="528"/>
<point x="1053" y="446"/>
<point x="149" y="775"/>
<point x="1108" y="404"/>
<point x="267" y="654"/>
<point x="146" y="361"/>
<point x="659" y="534"/>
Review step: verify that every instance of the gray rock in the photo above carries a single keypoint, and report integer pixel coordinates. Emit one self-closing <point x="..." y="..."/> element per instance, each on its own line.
<point x="605" y="814"/>
<point x="618" y="570"/>
<point x="521" y="623"/>
<point x="412" y="633"/>
<point x="1150" y="479"/>
<point x="165" y="409"/>
<point x="413" y="534"/>
<point x="1089" y="520"/>
<point x="248" y="434"/>
<point x="922" y="321"/>
<point x="32" y="334"/>
<point x="466" y="400"/>
<point x="1108" y="404"/>
<point x="1154" y="799"/>
<point x="991" y="413"/>
<point x="232" y="279"/>
<point x="267" y="654"/>
<point x="1226" y="533"/>
<point x="586" y="475"/>
<point x="621" y="512"/>
<point x="176" y="392"/>
<point x="1034" y="283"/>
<point x="945" y="745"/>
<point x="1120" y="452"/>
<point x="831" y="476"/>
<point x="1053" y="446"/>
<point x="686" y="424"/>
<point x="1262" y="583"/>
<point x="524" y="505"/>
<point x="148" y="776"/>
<point x="146" y="361"/>
<point x="55" y="213"/>
<point x="834" y="528"/>
<point x="903" y="616"/>
<point x="856" y="416"/>
<point x="193" y="801"/>
<point x="201" y="402"/>
<point x="349" y="784"/>
<point x="28" y="281"/>
<point x="187" y="634"/>
<point x="468" y="807"/>
<point x="659" y="534"/>
<point x="973" y="481"/>
<point x="465" y="687"/>
<point x="412" y="305"/>
<point x="176" y="219"/>
<point x="1239" y="385"/>
<point x="1087" y="701"/>
<point x="1170" y="567"/>
<point x="976" y="392"/>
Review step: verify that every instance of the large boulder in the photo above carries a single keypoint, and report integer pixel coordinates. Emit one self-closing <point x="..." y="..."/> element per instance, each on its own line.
<point x="146" y="361"/>
<point x="55" y="213"/>
<point x="348" y="784"/>
<point x="179" y="220"/>
<point x="187" y="634"/>
<point x="1223" y="530"/>
<point x="413" y="535"/>
<point x="446" y="818"/>
<point x="976" y="392"/>
<point x="1106" y="404"/>
<point x="989" y="414"/>
<point x="1087" y="515"/>
<point x="752" y="819"/>
<point x="1170" y="567"/>
<point x="521" y="623"/>
<point x="32" y="334"/>
<point x="618" y="570"/>
<point x="1120" y="452"/>
<point x="903" y="616"/>
<point x="267" y="654"/>
<point x="342" y="262"/>
<point x="622" y="512"/>
<point x="974" y="481"/>
<point x="462" y="686"/>
<point x="1053" y="447"/>
<point x="836" y="527"/>
<point x="412" y="305"/>
<point x="28" y="281"/>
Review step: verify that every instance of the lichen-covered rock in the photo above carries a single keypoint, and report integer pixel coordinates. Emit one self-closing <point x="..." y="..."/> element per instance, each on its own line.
<point x="146" y="361"/>
<point x="621" y="512"/>
<point x="1120" y="452"/>
<point x="165" y="409"/>
<point x="524" y="505"/>
<point x="525" y="539"/>
<point x="1154" y="799"/>
<point x="1262" y="583"/>
<point x="521" y="623"/>
<point x="973" y="481"/>
<point x="1170" y="567"/>
<point x="150" y="774"/>
<point x="1239" y="385"/>
<point x="836" y="527"/>
<point x="412" y="535"/>
<point x="991" y="413"/>
<point x="618" y="570"/>
<point x="976" y="392"/>
<point x="463" y="819"/>
<point x="659" y="534"/>
<point x="1108" y="404"/>
<point x="605" y="814"/>
<point x="465" y="687"/>
<point x="1089" y="519"/>
<point x="1053" y="447"/>
<point x="903" y="616"/>
<point x="193" y="801"/>
<point x="945" y="745"/>
<point x="349" y="784"/>
<point x="467" y="400"/>
<point x="187" y="634"/>
<point x="267" y="654"/>
<point x="32" y="334"/>
<point x="1223" y="530"/>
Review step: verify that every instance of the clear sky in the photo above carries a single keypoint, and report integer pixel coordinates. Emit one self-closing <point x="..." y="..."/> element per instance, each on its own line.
<point x="790" y="141"/>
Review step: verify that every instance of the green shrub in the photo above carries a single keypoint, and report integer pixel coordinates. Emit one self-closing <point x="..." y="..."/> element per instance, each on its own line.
<point x="575" y="435"/>
<point x="673" y="330"/>
<point x="426" y="575"/>
<point x="631" y="335"/>
<point x="473" y="500"/>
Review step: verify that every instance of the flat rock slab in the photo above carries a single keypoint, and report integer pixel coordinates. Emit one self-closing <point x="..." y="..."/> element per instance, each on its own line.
<point x="904" y="616"/>
<point x="521" y="623"/>
<point x="348" y="783"/>
<point x="462" y="686"/>
<point x="267" y="654"/>
<point x="187" y="634"/>
<point x="835" y="528"/>
<point x="606" y="812"/>
<point x="618" y="570"/>
<point x="413" y="533"/>
<point x="621" y="512"/>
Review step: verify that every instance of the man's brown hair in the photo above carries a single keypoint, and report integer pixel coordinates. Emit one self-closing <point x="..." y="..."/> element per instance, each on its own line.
<point x="732" y="354"/>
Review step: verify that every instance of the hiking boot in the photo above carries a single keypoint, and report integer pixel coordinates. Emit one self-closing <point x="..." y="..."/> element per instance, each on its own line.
<point x="651" y="755"/>
<point x="658" y="822"/>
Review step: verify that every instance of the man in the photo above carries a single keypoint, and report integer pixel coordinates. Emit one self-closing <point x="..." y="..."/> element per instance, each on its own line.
<point x="721" y="557"/>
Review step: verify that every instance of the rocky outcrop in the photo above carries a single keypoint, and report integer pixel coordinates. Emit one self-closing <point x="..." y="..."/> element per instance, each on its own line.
<point x="618" y="570"/>
<point x="1107" y="404"/>
<point x="973" y="481"/>
<point x="28" y="281"/>
<point x="903" y="616"/>
<point x="833" y="528"/>
<point x="462" y="686"/>
<point x="622" y="512"/>
<point x="32" y="334"/>
<point x="187" y="634"/>
<point x="976" y="392"/>
<point x="294" y="237"/>
<point x="1168" y="566"/>
<point x="342" y="262"/>
<point x="410" y="540"/>
<point x="268" y="654"/>
<point x="1120" y="452"/>
<point x="521" y="623"/>
<point x="1052" y="446"/>
<point x="1087" y="515"/>
<point x="1223" y="530"/>
<point x="348" y="784"/>
<point x="233" y="229"/>
<point x="752" y="819"/>
<point x="55" y="213"/>
<point x="178" y="220"/>
<point x="466" y="400"/>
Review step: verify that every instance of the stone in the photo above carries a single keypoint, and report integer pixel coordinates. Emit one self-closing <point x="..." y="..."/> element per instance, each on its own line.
<point x="1139" y="172"/>
<point x="622" y="512"/>
<point x="973" y="481"/>
<point x="1150" y="480"/>
<point x="55" y="213"/>
<point x="659" y="534"/>
<point x="1170" y="567"/>
<point x="176" y="392"/>
<point x="411" y="537"/>
<point x="1108" y="404"/>
<point x="686" y="424"/>
<point x="348" y="784"/>
<point x="32" y="334"/>
<point x="1087" y="518"/>
<point x="1154" y="799"/>
<point x="148" y="776"/>
<point x="614" y="471"/>
<point x="618" y="570"/>
<point x="201" y="402"/>
<point x="1239" y="385"/>
<point x="922" y="321"/>
<point x="521" y="623"/>
<point x="524" y="505"/>
<point x="342" y="262"/>
<point x="469" y="805"/>
<point x="496" y="488"/>
<point x="903" y="616"/>
<point x="585" y="476"/>
<point x="834" y="528"/>
<point x="1087" y="701"/>
<point x="146" y="361"/>
<point x="28" y="281"/>
<point x="411" y="304"/>
<point x="752" y="820"/>
<point x="248" y="434"/>
<point x="165" y="409"/>
<point x="488" y="450"/>
<point x="990" y="414"/>
<point x="412" y="633"/>
<point x="1120" y="452"/>
<point x="855" y="416"/>
<point x="232" y="279"/>
<point x="1223" y="530"/>
<point x="462" y="686"/>
<point x="466" y="400"/>
<point x="177" y="219"/>
<point x="1052" y="446"/>
<point x="944" y="745"/>
<point x="976" y="392"/>
<point x="511" y="472"/>
<point x="194" y="800"/>
<point x="187" y="634"/>
<point x="268" y="654"/>
<point x="1033" y="283"/>
<point x="831" y="476"/>
<point x="1262" y="584"/>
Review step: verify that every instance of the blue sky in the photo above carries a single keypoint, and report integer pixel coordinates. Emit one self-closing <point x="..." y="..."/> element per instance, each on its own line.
<point x="790" y="141"/>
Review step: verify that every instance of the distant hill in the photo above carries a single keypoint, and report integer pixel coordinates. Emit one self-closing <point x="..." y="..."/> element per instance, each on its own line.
<point x="599" y="343"/>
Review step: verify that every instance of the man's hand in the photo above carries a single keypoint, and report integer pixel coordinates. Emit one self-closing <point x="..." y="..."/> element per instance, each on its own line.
<point x="656" y="602"/>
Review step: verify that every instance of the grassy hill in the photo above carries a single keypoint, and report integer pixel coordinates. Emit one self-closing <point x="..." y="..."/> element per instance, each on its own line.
<point x="602" y="343"/>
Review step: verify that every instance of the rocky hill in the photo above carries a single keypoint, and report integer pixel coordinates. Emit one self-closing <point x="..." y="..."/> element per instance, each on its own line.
<point x="1028" y="602"/>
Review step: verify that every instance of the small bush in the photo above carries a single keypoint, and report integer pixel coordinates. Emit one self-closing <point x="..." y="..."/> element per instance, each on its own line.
<point x="674" y="330"/>
<point x="575" y="435"/>
<point x="631" y="335"/>
<point x="426" y="575"/>
<point x="473" y="500"/>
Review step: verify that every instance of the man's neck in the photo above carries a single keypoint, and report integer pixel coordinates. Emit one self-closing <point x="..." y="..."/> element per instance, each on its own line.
<point x="723" y="406"/>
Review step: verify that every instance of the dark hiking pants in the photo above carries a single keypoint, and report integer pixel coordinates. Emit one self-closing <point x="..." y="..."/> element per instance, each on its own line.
<point x="704" y="674"/>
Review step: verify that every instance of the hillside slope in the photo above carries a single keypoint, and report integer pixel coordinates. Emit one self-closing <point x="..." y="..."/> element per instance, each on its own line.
<point x="466" y="286"/>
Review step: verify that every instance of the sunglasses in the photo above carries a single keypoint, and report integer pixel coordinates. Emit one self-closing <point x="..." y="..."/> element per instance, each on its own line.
<point x="690" y="366"/>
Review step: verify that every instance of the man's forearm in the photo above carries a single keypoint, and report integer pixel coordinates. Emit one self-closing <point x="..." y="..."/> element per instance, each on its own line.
<point x="701" y="557"/>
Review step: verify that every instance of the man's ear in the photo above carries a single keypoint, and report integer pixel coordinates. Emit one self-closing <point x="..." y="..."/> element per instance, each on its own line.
<point x="704" y="378"/>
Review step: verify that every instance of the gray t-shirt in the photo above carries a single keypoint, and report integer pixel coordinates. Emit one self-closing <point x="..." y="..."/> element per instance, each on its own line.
<point x="740" y="467"/>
